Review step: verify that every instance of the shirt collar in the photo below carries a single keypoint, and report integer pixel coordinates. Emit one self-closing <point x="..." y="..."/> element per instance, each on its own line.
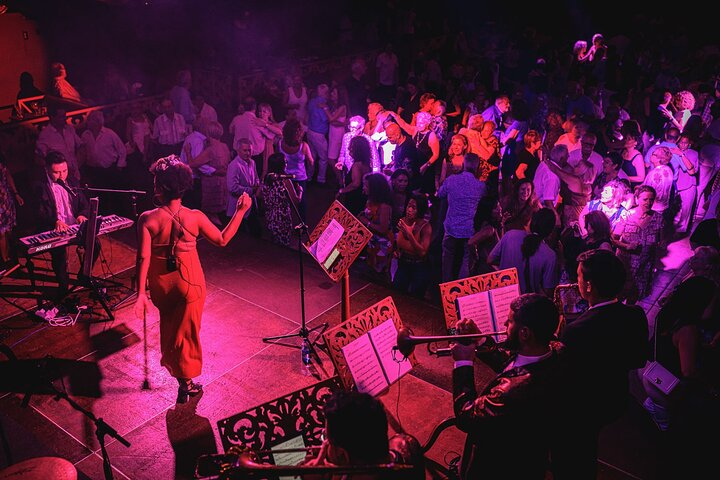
<point x="602" y="304"/>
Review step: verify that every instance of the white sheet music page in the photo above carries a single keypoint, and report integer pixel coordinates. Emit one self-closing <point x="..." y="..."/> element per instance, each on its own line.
<point x="501" y="299"/>
<point x="327" y="240"/>
<point x="365" y="366"/>
<point x="384" y="338"/>
<point x="476" y="307"/>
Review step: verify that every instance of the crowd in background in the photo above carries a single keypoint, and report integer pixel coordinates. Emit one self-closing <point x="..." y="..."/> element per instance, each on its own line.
<point x="488" y="158"/>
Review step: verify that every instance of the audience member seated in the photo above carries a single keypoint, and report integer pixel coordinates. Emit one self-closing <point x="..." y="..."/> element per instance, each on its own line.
<point x="213" y="180"/>
<point x="412" y="243"/>
<point x="521" y="406"/>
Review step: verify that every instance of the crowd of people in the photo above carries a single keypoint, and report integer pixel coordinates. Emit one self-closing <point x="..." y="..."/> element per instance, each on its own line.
<point x="453" y="177"/>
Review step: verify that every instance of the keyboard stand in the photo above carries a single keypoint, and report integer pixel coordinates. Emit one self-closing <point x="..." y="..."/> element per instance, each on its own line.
<point x="97" y="286"/>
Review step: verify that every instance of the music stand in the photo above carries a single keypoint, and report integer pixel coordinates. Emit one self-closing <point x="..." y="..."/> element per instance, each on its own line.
<point x="301" y="229"/>
<point x="133" y="198"/>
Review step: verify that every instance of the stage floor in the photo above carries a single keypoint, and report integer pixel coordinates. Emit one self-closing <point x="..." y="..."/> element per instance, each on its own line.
<point x="253" y="292"/>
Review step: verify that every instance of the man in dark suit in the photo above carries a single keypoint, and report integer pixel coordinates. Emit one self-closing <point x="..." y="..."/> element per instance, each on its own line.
<point x="602" y="346"/>
<point x="58" y="206"/>
<point x="508" y="424"/>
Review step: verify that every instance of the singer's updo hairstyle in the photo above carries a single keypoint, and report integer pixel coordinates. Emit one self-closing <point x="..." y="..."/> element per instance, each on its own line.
<point x="172" y="177"/>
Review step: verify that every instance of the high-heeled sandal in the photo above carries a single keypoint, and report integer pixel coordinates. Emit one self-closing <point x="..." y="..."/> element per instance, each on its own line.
<point x="187" y="390"/>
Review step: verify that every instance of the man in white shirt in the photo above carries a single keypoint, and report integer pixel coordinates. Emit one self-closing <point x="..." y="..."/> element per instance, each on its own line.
<point x="242" y="178"/>
<point x="203" y="111"/>
<point x="588" y="154"/>
<point x="58" y="136"/>
<point x="196" y="141"/>
<point x="57" y="206"/>
<point x="105" y="152"/>
<point x="245" y="125"/>
<point x="169" y="130"/>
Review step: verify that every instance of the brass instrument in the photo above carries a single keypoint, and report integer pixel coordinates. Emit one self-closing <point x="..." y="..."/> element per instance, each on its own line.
<point x="406" y="461"/>
<point x="406" y="341"/>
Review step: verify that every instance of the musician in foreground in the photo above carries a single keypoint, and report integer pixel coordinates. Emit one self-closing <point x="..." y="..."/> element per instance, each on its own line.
<point x="509" y="422"/>
<point x="58" y="205"/>
<point x="168" y="263"/>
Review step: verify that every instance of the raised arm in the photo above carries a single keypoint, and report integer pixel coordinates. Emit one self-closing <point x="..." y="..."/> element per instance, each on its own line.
<point x="222" y="238"/>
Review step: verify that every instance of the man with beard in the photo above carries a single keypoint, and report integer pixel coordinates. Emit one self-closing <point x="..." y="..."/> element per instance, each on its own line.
<point x="508" y="424"/>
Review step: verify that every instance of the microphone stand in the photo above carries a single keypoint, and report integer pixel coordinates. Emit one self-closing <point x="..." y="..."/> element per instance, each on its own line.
<point x="133" y="279"/>
<point x="101" y="429"/>
<point x="304" y="333"/>
<point x="133" y="199"/>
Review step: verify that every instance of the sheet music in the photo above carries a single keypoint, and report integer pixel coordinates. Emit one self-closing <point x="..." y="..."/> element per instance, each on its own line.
<point x="327" y="240"/>
<point x="476" y="307"/>
<point x="289" y="458"/>
<point x="501" y="299"/>
<point x="384" y="338"/>
<point x="365" y="366"/>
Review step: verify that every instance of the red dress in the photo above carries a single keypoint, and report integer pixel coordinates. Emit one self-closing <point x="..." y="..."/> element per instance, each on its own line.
<point x="180" y="297"/>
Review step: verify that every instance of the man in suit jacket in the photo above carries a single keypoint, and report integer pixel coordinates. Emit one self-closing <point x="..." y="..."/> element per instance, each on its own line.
<point x="508" y="424"/>
<point x="602" y="346"/>
<point x="58" y="206"/>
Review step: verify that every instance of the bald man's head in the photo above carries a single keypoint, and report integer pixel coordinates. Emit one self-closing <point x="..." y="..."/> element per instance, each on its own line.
<point x="394" y="133"/>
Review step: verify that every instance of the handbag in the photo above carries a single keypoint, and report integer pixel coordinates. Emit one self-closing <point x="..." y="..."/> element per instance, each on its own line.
<point x="659" y="376"/>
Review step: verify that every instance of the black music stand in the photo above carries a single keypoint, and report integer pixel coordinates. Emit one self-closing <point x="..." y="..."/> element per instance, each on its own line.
<point x="89" y="231"/>
<point x="304" y="333"/>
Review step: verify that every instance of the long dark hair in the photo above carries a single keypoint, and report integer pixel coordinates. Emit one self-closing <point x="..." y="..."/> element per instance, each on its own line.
<point x="541" y="225"/>
<point x="378" y="189"/>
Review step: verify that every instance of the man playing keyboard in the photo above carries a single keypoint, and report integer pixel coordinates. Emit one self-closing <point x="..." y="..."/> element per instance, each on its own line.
<point x="58" y="205"/>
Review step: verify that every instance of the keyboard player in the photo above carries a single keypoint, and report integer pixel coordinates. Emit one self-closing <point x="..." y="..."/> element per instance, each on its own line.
<point x="58" y="205"/>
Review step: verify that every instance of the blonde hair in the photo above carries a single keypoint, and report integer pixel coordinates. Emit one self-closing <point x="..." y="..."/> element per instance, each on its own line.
<point x="684" y="100"/>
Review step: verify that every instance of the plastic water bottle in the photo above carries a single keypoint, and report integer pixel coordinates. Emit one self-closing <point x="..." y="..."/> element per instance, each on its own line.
<point x="305" y="356"/>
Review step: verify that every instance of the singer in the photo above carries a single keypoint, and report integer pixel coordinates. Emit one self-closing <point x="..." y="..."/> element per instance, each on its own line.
<point x="277" y="192"/>
<point x="58" y="205"/>
<point x="168" y="262"/>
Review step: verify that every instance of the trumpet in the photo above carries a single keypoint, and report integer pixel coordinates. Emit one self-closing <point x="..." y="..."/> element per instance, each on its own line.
<point x="406" y="341"/>
<point x="406" y="461"/>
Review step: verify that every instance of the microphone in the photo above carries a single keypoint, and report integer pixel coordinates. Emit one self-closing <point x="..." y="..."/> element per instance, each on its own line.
<point x="67" y="187"/>
<point x="280" y="176"/>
